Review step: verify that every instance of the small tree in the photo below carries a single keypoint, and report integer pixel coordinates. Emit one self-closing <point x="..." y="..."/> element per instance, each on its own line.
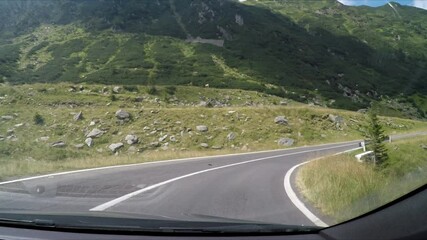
<point x="375" y="134"/>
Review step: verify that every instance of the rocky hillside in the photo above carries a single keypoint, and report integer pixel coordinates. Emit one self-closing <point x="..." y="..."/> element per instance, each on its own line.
<point x="319" y="52"/>
<point x="87" y="125"/>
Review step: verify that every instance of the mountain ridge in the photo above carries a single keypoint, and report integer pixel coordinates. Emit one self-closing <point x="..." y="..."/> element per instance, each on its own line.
<point x="310" y="52"/>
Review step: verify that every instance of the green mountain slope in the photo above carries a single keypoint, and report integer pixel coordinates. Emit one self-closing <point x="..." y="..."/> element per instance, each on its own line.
<point x="320" y="52"/>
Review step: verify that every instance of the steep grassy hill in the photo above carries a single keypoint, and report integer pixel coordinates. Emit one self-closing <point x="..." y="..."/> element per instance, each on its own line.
<point x="317" y="52"/>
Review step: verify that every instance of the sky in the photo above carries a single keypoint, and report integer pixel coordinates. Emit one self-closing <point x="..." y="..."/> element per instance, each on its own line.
<point x="375" y="3"/>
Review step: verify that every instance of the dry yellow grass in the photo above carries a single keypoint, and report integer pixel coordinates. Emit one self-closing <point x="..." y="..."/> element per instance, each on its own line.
<point x="342" y="188"/>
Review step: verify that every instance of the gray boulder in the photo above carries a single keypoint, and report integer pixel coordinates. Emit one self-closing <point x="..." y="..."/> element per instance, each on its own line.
<point x="44" y="139"/>
<point x="132" y="149"/>
<point x="115" y="147"/>
<point x="95" y="133"/>
<point x="59" y="144"/>
<point x="89" y="142"/>
<point x="281" y="120"/>
<point x="7" y="117"/>
<point x="154" y="144"/>
<point x="121" y="114"/>
<point x="202" y="128"/>
<point x="287" y="142"/>
<point x="10" y="132"/>
<point x="131" y="139"/>
<point x="231" y="136"/>
<point x="78" y="116"/>
<point x="336" y="119"/>
<point x="161" y="139"/>
<point x="117" y="89"/>
<point x="204" y="145"/>
<point x="79" y="146"/>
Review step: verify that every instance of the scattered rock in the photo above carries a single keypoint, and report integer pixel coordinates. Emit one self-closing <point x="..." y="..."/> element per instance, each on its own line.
<point x="10" y="132"/>
<point x="231" y="136"/>
<point x="172" y="138"/>
<point x="132" y="149"/>
<point x="204" y="145"/>
<point x="95" y="133"/>
<point x="281" y="120"/>
<point x="12" y="138"/>
<point x="6" y="117"/>
<point x="89" y="142"/>
<point x="121" y="114"/>
<point x="161" y="139"/>
<point x="203" y="104"/>
<point x="79" y="146"/>
<point x="2" y="138"/>
<point x="44" y="139"/>
<point x="165" y="146"/>
<point x="287" y="142"/>
<point x="19" y="125"/>
<point x="78" y="116"/>
<point x="423" y="146"/>
<point x="131" y="139"/>
<point x="202" y="128"/>
<point x="217" y="147"/>
<point x="155" y="144"/>
<point x="117" y="89"/>
<point x="139" y="99"/>
<point x="336" y="119"/>
<point x="115" y="147"/>
<point x="59" y="144"/>
<point x="283" y="103"/>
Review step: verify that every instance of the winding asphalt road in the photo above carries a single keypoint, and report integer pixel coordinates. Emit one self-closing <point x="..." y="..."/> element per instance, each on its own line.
<point x="241" y="186"/>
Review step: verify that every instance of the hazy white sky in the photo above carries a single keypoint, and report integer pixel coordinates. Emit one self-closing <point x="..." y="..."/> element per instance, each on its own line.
<point x="375" y="3"/>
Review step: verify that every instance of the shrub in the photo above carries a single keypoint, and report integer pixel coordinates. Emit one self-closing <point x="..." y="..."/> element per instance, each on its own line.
<point x="171" y="90"/>
<point x="38" y="119"/>
<point x="131" y="88"/>
<point x="152" y="90"/>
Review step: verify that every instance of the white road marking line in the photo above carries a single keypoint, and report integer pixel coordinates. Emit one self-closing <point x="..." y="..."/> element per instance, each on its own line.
<point x="123" y="198"/>
<point x="158" y="162"/>
<point x="295" y="200"/>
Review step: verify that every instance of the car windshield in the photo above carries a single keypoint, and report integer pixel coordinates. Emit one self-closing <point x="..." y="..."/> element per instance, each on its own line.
<point x="215" y="116"/>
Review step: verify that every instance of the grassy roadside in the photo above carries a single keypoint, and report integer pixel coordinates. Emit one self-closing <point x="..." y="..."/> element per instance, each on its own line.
<point x="342" y="188"/>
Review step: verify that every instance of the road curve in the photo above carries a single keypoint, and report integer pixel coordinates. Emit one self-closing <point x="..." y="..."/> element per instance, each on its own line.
<point x="240" y="186"/>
